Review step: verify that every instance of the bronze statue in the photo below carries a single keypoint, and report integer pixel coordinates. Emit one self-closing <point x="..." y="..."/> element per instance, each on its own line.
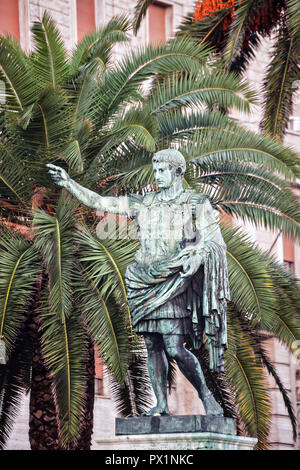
<point x="178" y="284"/>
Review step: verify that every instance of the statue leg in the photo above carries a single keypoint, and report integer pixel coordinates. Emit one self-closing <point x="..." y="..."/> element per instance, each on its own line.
<point x="158" y="372"/>
<point x="191" y="369"/>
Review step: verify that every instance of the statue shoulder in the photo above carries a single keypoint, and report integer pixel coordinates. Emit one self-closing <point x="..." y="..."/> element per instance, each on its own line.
<point x="135" y="198"/>
<point x="197" y="198"/>
<point x="149" y="198"/>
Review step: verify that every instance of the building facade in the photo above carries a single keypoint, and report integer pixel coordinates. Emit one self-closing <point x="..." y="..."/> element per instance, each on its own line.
<point x="75" y="18"/>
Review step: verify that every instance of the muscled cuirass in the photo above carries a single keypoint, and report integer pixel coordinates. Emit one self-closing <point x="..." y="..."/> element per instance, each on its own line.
<point x="164" y="227"/>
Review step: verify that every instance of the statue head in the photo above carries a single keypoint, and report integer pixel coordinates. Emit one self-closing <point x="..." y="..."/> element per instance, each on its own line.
<point x="168" y="167"/>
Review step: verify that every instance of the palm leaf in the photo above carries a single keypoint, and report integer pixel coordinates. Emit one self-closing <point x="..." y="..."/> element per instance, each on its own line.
<point x="284" y="322"/>
<point x="98" y="44"/>
<point x="133" y="398"/>
<point x="247" y="378"/>
<point x="178" y="124"/>
<point x="20" y="87"/>
<point x="65" y="349"/>
<point x="211" y="147"/>
<point x="243" y="15"/>
<point x="55" y="240"/>
<point x="107" y="259"/>
<point x="20" y="267"/>
<point x="258" y="339"/>
<point x="255" y="195"/>
<point x="13" y="378"/>
<point x="250" y="285"/>
<point x="49" y="59"/>
<point x="208" y="87"/>
<point x="208" y="29"/>
<point x="15" y="183"/>
<point x="136" y="125"/>
<point x="279" y="88"/>
<point x="106" y="323"/>
<point x="123" y="81"/>
<point x="293" y="20"/>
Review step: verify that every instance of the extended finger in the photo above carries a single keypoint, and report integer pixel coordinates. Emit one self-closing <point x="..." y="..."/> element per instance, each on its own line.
<point x="49" y="165"/>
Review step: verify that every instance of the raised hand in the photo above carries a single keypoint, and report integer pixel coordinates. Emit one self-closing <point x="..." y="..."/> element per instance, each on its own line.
<point x="59" y="175"/>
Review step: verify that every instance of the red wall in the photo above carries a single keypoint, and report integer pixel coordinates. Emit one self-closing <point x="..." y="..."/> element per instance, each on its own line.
<point x="9" y="17"/>
<point x="85" y="17"/>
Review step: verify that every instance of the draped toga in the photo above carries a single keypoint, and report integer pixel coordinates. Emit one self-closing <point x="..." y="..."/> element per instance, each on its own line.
<point x="159" y="298"/>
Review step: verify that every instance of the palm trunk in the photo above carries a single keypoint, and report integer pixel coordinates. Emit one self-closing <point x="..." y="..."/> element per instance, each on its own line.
<point x="43" y="429"/>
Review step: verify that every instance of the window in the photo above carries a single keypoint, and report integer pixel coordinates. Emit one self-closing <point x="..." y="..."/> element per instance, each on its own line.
<point x="85" y="18"/>
<point x="99" y="386"/>
<point x="159" y="22"/>
<point x="99" y="379"/>
<point x="288" y="253"/>
<point x="298" y="386"/>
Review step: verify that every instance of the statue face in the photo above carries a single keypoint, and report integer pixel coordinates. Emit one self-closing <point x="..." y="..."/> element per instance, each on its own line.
<point x="164" y="174"/>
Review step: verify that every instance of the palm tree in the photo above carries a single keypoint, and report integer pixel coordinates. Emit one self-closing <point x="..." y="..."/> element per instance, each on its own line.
<point x="61" y="287"/>
<point x="234" y="29"/>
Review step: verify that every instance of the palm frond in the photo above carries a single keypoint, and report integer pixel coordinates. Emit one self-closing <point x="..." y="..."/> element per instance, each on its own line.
<point x="106" y="323"/>
<point x="250" y="284"/>
<point x="97" y="45"/>
<point x="55" y="240"/>
<point x="131" y="167"/>
<point x="244" y="14"/>
<point x="258" y="339"/>
<point x="20" y="87"/>
<point x="49" y="58"/>
<point x="208" y="87"/>
<point x="65" y="349"/>
<point x="247" y="378"/>
<point x="135" y="124"/>
<point x="214" y="146"/>
<point x="123" y="81"/>
<point x="255" y="195"/>
<point x="20" y="267"/>
<point x="283" y="71"/>
<point x="106" y="259"/>
<point x="209" y="30"/>
<point x="13" y="378"/>
<point x="293" y="20"/>
<point x="133" y="398"/>
<point x="15" y="183"/>
<point x="178" y="124"/>
<point x="284" y="322"/>
<point x="49" y="123"/>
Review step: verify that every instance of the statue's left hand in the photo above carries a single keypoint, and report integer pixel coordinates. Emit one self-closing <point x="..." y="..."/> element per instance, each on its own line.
<point x="191" y="265"/>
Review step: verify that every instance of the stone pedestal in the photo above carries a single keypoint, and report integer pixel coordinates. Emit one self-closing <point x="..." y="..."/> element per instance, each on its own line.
<point x="191" y="432"/>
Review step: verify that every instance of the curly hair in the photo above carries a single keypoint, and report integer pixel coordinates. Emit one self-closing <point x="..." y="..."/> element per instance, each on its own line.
<point x="172" y="156"/>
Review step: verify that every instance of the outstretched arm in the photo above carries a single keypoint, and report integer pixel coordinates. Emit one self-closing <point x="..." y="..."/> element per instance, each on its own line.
<point x="116" y="205"/>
